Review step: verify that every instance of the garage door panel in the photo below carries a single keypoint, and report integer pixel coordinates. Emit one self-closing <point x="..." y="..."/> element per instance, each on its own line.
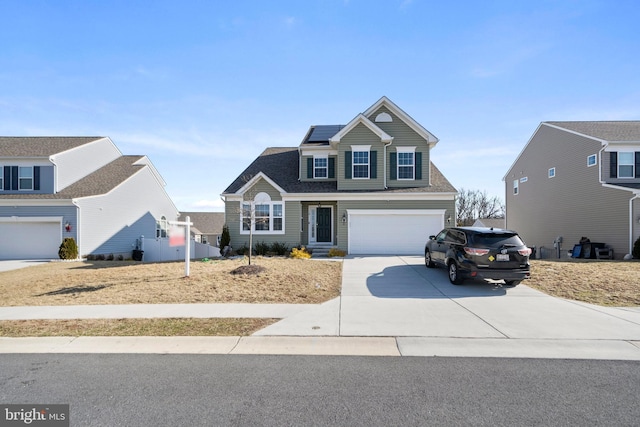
<point x="29" y="240"/>
<point x="393" y="233"/>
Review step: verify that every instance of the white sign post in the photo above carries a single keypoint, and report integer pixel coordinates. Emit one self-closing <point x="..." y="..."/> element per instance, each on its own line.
<point x="187" y="242"/>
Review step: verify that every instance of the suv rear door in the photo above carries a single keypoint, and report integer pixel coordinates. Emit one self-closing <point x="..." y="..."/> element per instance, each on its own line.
<point x="503" y="250"/>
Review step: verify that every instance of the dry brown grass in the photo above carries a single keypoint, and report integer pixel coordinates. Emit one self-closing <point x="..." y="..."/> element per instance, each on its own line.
<point x="608" y="283"/>
<point x="132" y="327"/>
<point x="120" y="282"/>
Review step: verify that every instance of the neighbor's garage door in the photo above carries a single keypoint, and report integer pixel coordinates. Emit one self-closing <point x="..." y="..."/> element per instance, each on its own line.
<point x="392" y="232"/>
<point x="29" y="240"/>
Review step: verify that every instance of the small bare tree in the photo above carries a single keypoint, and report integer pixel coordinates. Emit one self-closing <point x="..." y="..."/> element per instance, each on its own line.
<point x="249" y="209"/>
<point x="475" y="204"/>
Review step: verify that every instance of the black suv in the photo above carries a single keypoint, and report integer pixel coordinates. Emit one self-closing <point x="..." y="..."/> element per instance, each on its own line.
<point x="479" y="253"/>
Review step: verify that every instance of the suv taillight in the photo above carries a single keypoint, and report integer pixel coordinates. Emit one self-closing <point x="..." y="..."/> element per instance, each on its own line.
<point x="476" y="251"/>
<point x="525" y="251"/>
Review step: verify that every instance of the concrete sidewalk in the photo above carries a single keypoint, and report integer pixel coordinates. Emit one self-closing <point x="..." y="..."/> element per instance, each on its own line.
<point x="388" y="306"/>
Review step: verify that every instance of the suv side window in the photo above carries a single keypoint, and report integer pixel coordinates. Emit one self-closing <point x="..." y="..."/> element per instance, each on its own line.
<point x="455" y="237"/>
<point x="441" y="236"/>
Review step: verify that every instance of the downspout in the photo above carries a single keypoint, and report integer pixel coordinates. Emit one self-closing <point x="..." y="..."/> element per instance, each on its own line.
<point x="384" y="163"/>
<point x="631" y="221"/>
<point x="78" y="227"/>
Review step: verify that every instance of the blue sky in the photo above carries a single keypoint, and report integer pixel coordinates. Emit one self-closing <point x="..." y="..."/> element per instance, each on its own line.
<point x="203" y="87"/>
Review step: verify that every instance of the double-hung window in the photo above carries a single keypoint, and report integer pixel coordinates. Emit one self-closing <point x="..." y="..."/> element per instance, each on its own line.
<point x="320" y="167"/>
<point x="406" y="163"/>
<point x="25" y="178"/>
<point x="361" y="164"/>
<point x="267" y="216"/>
<point x="626" y="164"/>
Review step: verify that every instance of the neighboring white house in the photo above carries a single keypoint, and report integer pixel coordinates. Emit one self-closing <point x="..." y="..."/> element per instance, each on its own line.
<point x="80" y="187"/>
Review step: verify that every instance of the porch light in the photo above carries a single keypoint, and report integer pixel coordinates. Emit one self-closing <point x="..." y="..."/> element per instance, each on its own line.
<point x="344" y="217"/>
<point x="67" y="226"/>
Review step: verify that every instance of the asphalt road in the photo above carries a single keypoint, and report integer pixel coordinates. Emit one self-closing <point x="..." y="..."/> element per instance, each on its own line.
<point x="209" y="390"/>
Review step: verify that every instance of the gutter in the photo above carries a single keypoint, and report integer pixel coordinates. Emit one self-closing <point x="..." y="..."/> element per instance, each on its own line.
<point x="384" y="164"/>
<point x="631" y="221"/>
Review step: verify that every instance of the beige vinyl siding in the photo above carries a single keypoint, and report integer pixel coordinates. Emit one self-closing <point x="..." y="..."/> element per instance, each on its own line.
<point x="360" y="135"/>
<point x="573" y="204"/>
<point x="262" y="186"/>
<point x="606" y="167"/>
<point x="343" y="206"/>
<point x="403" y="136"/>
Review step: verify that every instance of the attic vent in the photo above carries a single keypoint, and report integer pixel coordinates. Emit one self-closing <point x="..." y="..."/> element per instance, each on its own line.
<point x="383" y="118"/>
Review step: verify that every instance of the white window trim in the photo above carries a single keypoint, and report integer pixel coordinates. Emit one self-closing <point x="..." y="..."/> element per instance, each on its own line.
<point x="262" y="199"/>
<point x="321" y="156"/>
<point x="595" y="160"/>
<point x="1" y="177"/>
<point x="411" y="150"/>
<point x="551" y="173"/>
<point x="516" y="187"/>
<point x="360" y="149"/>
<point x="632" y="164"/>
<point x="21" y="178"/>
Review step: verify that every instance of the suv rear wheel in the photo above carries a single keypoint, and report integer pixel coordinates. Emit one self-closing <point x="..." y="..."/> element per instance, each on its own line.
<point x="454" y="276"/>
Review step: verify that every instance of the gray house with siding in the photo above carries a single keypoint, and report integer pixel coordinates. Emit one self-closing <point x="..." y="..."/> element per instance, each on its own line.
<point x="80" y="187"/>
<point x="574" y="180"/>
<point x="367" y="187"/>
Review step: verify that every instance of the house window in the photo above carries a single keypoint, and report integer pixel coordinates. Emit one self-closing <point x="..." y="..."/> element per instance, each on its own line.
<point x="406" y="165"/>
<point x="25" y="178"/>
<point x="516" y="186"/>
<point x="552" y="172"/>
<point x="592" y="160"/>
<point x="361" y="164"/>
<point x="268" y="216"/>
<point x="626" y="165"/>
<point x="320" y="167"/>
<point x="1" y="178"/>
<point x="161" y="227"/>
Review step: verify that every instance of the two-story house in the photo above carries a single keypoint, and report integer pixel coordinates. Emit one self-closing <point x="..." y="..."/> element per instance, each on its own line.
<point x="367" y="187"/>
<point x="574" y="180"/>
<point x="80" y="187"/>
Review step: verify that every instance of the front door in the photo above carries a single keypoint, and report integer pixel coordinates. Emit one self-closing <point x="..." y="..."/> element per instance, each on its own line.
<point x="323" y="228"/>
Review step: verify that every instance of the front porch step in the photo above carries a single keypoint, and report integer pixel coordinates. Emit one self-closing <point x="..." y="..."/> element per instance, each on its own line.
<point x="320" y="251"/>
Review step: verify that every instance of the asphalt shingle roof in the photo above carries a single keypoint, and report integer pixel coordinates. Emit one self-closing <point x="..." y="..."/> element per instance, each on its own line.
<point x="617" y="131"/>
<point x="281" y="164"/>
<point x="99" y="182"/>
<point x="205" y="222"/>
<point x="40" y="146"/>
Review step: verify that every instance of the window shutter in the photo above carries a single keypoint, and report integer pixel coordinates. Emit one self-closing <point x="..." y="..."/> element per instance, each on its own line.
<point x="310" y="167"/>
<point x="393" y="165"/>
<point x="418" y="165"/>
<point x="14" y="178"/>
<point x="36" y="178"/>
<point x="332" y="167"/>
<point x="613" y="165"/>
<point x="637" y="164"/>
<point x="373" y="164"/>
<point x="347" y="165"/>
<point x="7" y="177"/>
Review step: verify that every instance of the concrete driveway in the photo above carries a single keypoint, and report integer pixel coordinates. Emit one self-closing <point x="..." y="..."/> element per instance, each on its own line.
<point x="398" y="296"/>
<point x="7" y="265"/>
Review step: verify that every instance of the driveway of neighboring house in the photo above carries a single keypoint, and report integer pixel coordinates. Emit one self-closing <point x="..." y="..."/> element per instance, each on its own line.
<point x="11" y="264"/>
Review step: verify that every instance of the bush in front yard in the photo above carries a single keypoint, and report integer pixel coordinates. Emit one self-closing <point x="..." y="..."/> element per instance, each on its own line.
<point x="261" y="248"/>
<point x="333" y="252"/>
<point x="280" y="249"/>
<point x="225" y="237"/>
<point x="636" y="249"/>
<point x="68" y="249"/>
<point x="300" y="253"/>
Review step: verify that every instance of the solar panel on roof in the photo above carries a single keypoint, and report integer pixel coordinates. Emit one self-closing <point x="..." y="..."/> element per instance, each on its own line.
<point x="324" y="132"/>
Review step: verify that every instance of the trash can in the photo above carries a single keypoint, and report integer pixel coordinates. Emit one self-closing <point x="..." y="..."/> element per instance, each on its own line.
<point x="137" y="255"/>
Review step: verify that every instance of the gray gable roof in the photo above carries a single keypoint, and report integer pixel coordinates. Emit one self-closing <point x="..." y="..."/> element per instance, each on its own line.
<point x="615" y="131"/>
<point x="41" y="146"/>
<point x="281" y="164"/>
<point x="205" y="222"/>
<point x="99" y="182"/>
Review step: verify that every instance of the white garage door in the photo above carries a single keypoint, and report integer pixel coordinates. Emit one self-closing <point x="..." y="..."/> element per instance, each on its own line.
<point x="31" y="239"/>
<point x="392" y="232"/>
